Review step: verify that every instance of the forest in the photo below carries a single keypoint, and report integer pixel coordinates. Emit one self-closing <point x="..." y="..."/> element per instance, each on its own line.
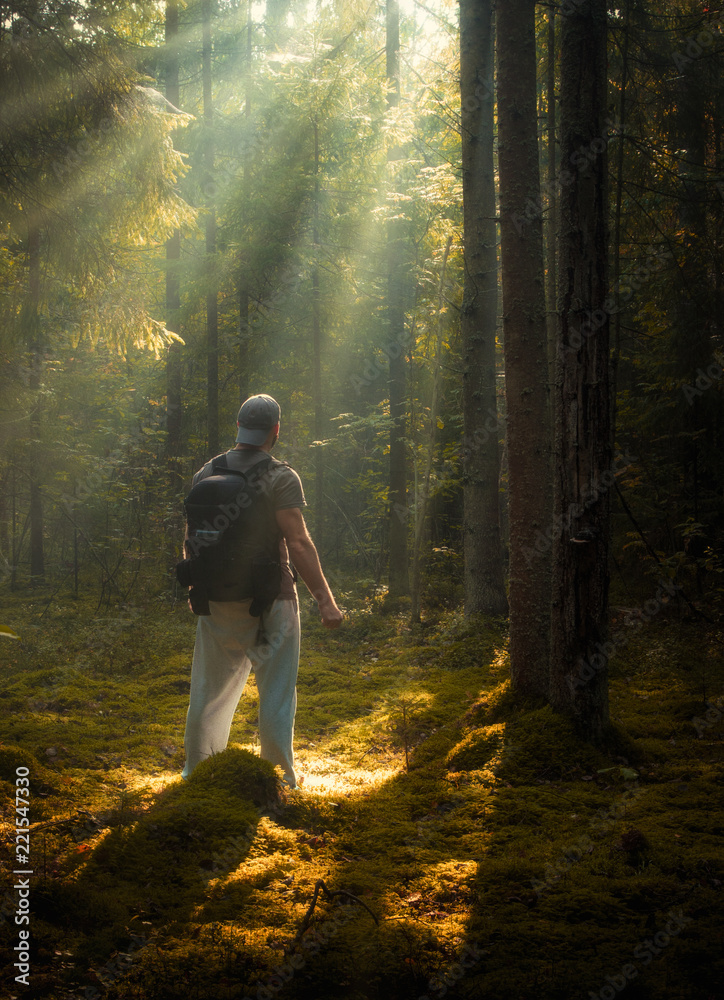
<point x="474" y="250"/>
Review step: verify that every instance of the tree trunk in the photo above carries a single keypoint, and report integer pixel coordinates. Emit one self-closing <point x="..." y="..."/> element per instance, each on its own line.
<point x="173" y="257"/>
<point x="423" y="498"/>
<point x="551" y="221"/>
<point x="399" y="582"/>
<point x="37" y="417"/>
<point x="244" y="291"/>
<point x="525" y="339"/>
<point x="317" y="359"/>
<point x="484" y="589"/>
<point x="583" y="474"/>
<point x="617" y="223"/>
<point x="212" y="318"/>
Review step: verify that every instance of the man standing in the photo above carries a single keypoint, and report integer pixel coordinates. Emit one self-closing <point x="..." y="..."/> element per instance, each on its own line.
<point x="230" y="640"/>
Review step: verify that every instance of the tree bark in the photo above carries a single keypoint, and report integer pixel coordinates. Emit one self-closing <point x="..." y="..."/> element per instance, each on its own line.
<point x="399" y="581"/>
<point x="583" y="474"/>
<point x="243" y="287"/>
<point x="174" y="410"/>
<point x="317" y="359"/>
<point x="212" y="317"/>
<point x="525" y="339"/>
<point x="484" y="589"/>
<point x="551" y="220"/>
<point x="422" y="496"/>
<point x="617" y="223"/>
<point x="37" y="547"/>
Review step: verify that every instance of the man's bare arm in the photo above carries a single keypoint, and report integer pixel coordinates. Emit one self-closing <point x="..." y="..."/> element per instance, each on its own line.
<point x="303" y="554"/>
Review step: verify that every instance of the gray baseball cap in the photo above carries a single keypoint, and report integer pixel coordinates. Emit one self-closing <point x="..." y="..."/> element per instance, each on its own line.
<point x="256" y="418"/>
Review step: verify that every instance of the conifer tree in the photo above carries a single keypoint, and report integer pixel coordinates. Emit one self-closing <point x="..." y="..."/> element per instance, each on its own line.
<point x="579" y="637"/>
<point x="484" y="590"/>
<point x="526" y="349"/>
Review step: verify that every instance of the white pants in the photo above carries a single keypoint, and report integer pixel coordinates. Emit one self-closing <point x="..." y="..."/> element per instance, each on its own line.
<point x="226" y="649"/>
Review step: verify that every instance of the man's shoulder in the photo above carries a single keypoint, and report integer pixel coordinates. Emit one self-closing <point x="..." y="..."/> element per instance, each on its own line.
<point x="244" y="460"/>
<point x="277" y="465"/>
<point x="207" y="469"/>
<point x="286" y="486"/>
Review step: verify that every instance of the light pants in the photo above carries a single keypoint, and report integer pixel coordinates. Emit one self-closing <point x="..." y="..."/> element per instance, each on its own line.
<point x="226" y="649"/>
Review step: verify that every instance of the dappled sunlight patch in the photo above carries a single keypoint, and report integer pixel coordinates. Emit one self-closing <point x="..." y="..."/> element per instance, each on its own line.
<point x="330" y="776"/>
<point x="482" y="747"/>
<point x="151" y="785"/>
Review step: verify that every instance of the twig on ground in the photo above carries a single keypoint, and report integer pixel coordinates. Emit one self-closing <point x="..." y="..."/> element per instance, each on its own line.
<point x="330" y="894"/>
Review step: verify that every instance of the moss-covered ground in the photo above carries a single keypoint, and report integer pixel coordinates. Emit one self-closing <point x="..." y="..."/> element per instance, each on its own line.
<point x="495" y="853"/>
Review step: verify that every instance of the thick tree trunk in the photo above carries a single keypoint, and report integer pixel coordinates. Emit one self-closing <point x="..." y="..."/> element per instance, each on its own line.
<point x="551" y="220"/>
<point x="484" y="589"/>
<point x="399" y="581"/>
<point x="583" y="474"/>
<point x="212" y="317"/>
<point x="525" y="339"/>
<point x="173" y="257"/>
<point x="617" y="224"/>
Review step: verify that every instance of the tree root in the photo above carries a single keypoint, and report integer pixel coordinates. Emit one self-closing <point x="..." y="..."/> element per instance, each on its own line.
<point x="329" y="894"/>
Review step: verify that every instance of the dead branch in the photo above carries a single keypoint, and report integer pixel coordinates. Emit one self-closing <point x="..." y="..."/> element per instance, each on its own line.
<point x="329" y="894"/>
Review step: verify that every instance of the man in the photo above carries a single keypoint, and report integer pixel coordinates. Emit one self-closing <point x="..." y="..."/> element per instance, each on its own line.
<point x="230" y="640"/>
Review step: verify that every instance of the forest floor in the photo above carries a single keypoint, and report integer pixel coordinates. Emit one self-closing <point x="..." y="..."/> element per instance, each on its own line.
<point x="465" y="847"/>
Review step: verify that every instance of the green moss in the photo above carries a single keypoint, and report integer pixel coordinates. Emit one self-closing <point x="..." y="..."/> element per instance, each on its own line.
<point x="13" y="757"/>
<point x="477" y="749"/>
<point x="462" y="818"/>
<point x="532" y="745"/>
<point x="238" y="772"/>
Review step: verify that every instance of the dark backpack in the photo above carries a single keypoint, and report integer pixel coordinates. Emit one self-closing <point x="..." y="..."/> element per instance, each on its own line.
<point x="233" y="540"/>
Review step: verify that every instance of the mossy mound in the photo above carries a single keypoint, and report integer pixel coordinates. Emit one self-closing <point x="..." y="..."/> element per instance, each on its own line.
<point x="478" y="749"/>
<point x="532" y="746"/>
<point x="545" y="745"/>
<point x="238" y="772"/>
<point x="158" y="866"/>
<point x="13" y="757"/>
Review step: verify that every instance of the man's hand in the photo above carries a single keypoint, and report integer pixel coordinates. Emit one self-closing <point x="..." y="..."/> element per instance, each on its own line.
<point x="304" y="556"/>
<point x="330" y="613"/>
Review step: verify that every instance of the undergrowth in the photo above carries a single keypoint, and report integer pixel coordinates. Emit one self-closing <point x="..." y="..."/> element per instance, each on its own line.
<point x="467" y="846"/>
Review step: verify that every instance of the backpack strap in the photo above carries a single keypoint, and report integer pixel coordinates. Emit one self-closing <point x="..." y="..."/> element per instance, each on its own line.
<point x="221" y="463"/>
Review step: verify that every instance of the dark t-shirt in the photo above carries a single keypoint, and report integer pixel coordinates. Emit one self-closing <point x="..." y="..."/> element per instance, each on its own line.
<point x="283" y="486"/>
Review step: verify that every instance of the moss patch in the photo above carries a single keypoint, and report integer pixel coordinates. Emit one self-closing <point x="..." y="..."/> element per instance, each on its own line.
<point x="501" y="855"/>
